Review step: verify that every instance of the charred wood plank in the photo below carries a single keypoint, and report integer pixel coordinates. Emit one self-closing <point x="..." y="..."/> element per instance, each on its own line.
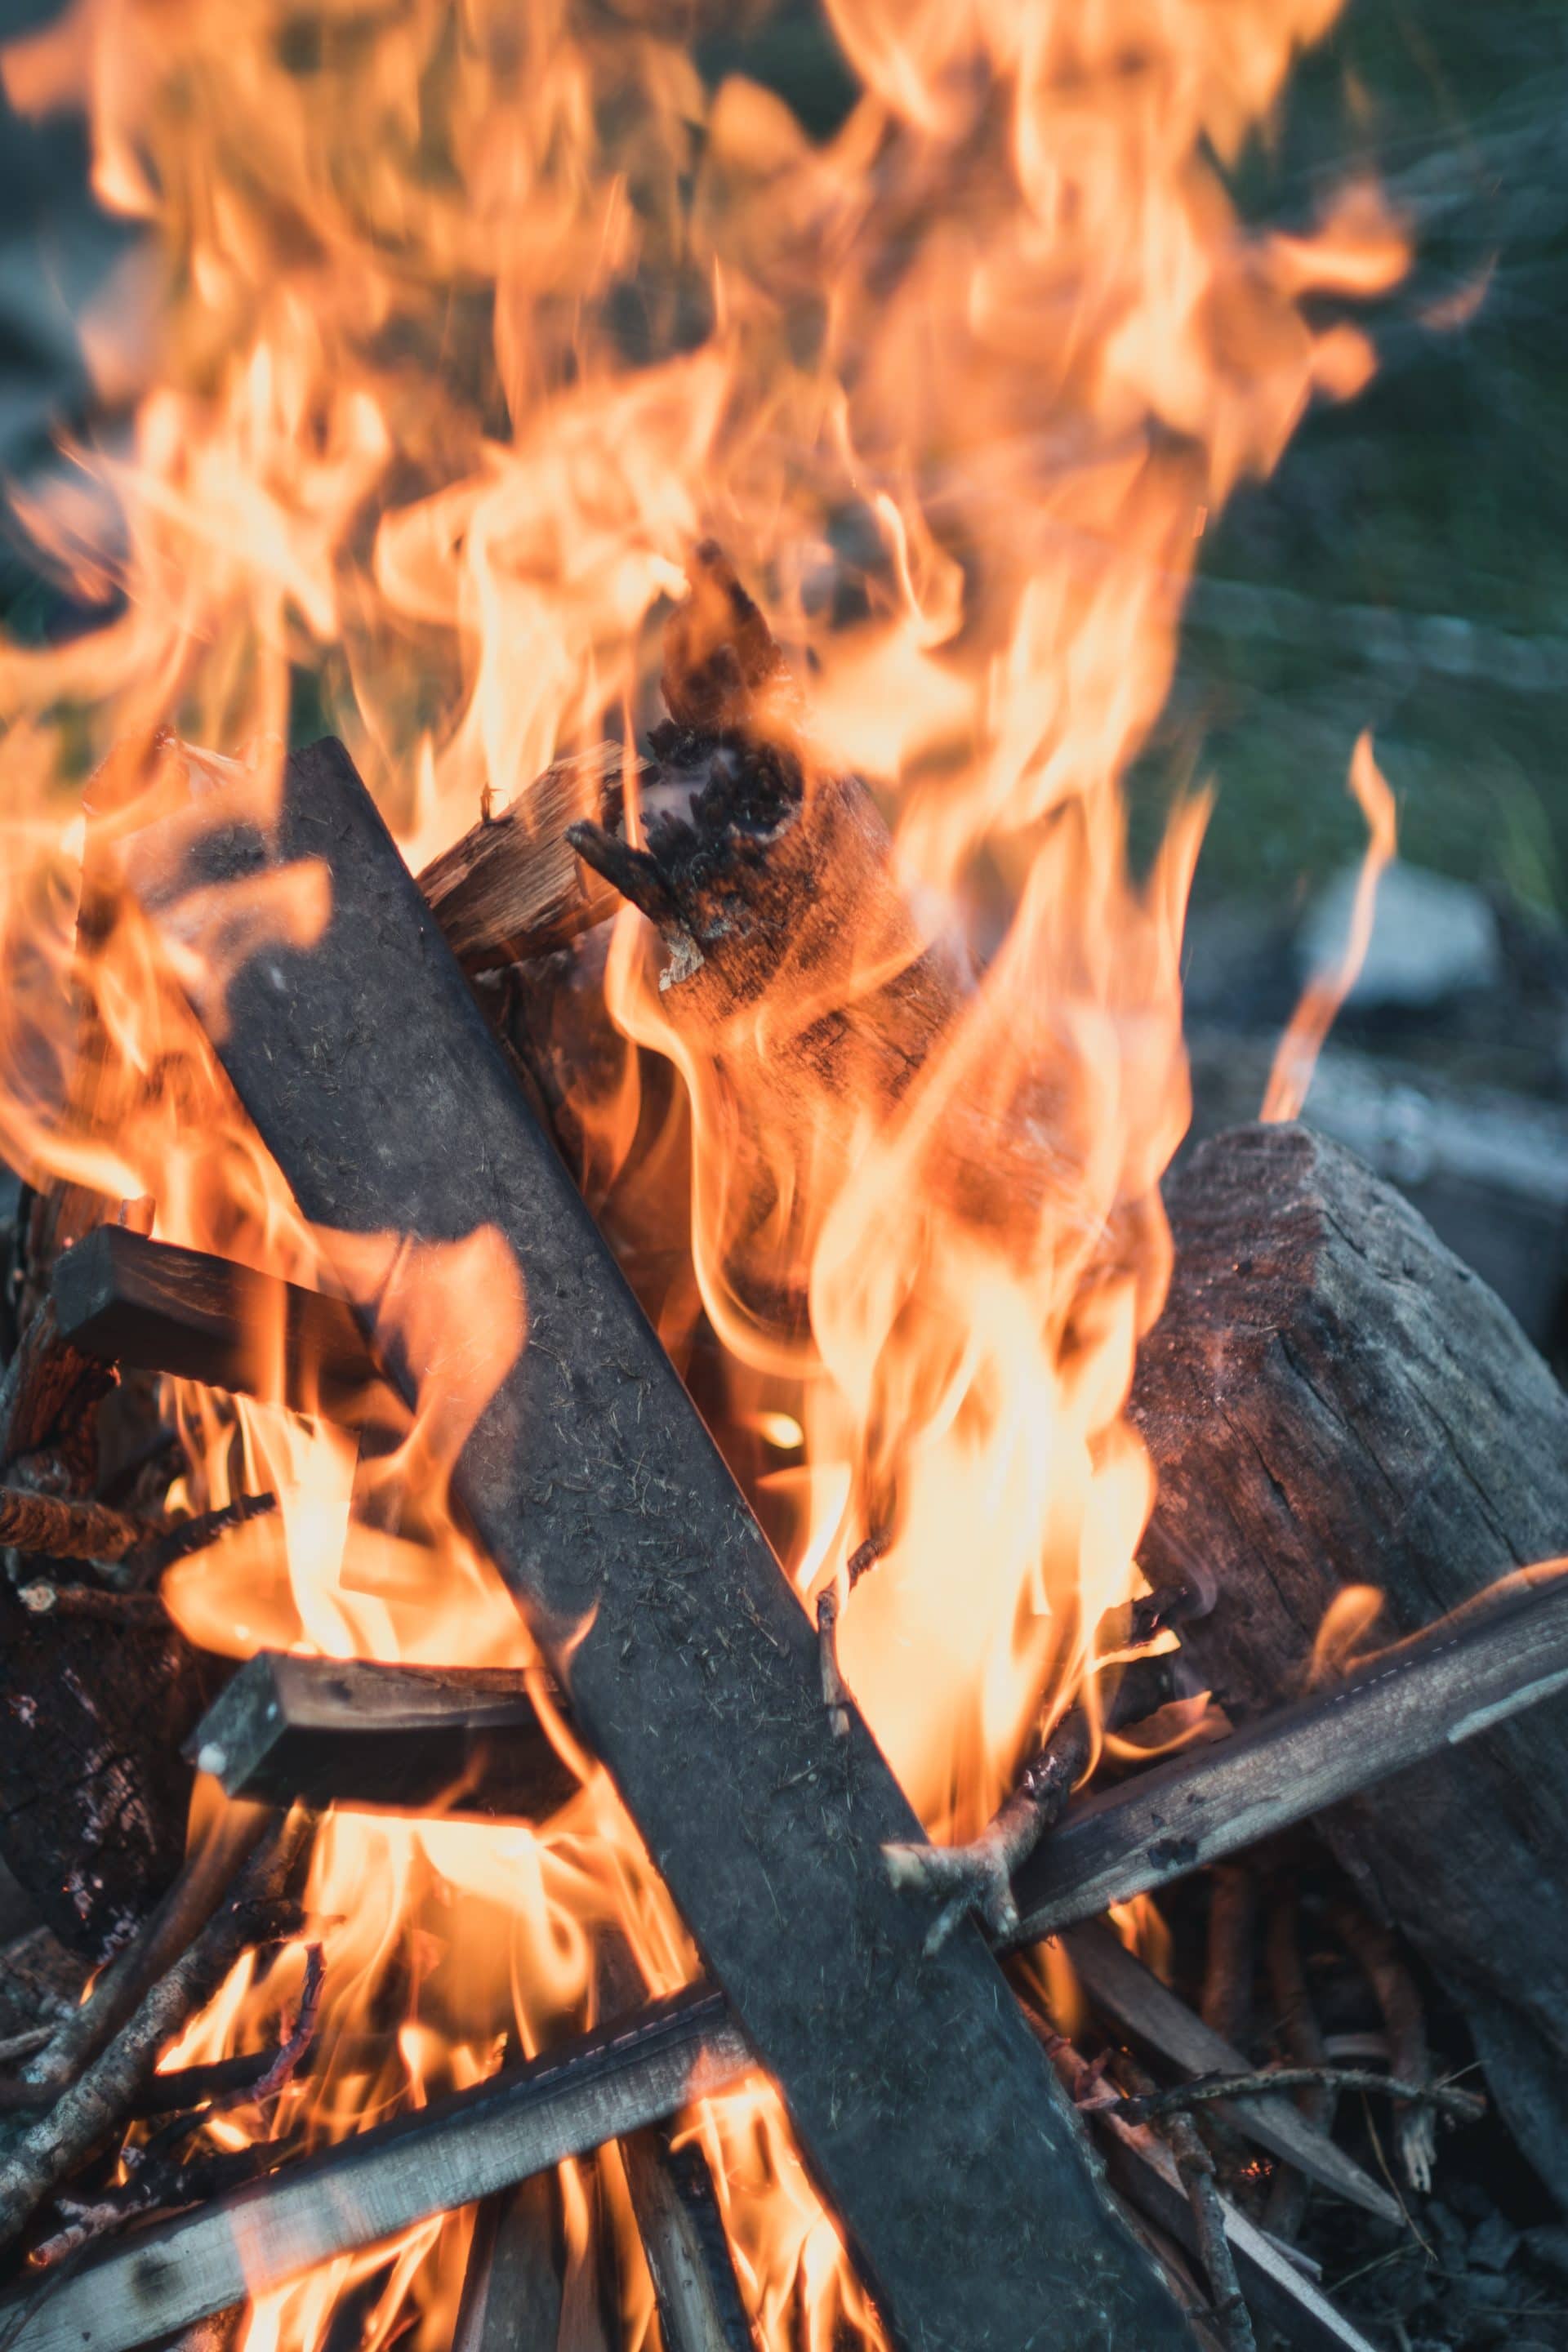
<point x="926" y="2111"/>
<point x="688" y="2256"/>
<point x="1332" y="1398"/>
<point x="126" y="1299"/>
<point x="413" y="1739"/>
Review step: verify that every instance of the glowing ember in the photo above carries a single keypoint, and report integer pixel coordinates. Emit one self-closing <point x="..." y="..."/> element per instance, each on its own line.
<point x="473" y="323"/>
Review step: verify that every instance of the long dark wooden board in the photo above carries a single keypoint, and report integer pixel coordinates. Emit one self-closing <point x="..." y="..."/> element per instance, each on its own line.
<point x="927" y="2113"/>
<point x="156" y="1307"/>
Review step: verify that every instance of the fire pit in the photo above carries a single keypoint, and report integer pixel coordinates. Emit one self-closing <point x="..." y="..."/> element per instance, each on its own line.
<point x="647" y="1571"/>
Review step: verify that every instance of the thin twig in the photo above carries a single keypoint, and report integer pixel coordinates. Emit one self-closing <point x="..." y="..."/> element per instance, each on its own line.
<point x="978" y="1877"/>
<point x="1226" y="2008"/>
<point x="98" y="2104"/>
<point x="1147" y="2106"/>
<point x="1291" y="2190"/>
<point x="1196" y="2167"/>
<point x="835" y="1690"/>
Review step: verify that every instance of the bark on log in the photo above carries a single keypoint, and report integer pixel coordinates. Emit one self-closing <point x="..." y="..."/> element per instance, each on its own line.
<point x="929" y="2116"/>
<point x="1331" y="1397"/>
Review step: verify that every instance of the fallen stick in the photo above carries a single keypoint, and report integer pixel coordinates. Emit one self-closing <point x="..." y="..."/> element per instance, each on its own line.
<point x="928" y="2115"/>
<point x="122" y="1299"/>
<point x="1120" y="1988"/>
<point x="1151" y="2106"/>
<point x="324" y="1731"/>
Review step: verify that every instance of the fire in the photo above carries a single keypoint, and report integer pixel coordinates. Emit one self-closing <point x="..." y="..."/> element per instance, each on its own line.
<point x="472" y="321"/>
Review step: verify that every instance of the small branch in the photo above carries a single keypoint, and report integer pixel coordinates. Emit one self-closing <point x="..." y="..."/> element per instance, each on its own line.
<point x="166" y="1545"/>
<point x="97" y="2105"/>
<point x="1151" y="2106"/>
<point x="1196" y="2167"/>
<point x="835" y="1690"/>
<point x="978" y="1877"/>
<point x="1226" y="2008"/>
<point x="252" y="2077"/>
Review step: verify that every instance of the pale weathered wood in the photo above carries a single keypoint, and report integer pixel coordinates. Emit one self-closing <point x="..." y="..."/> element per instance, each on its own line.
<point x="689" y="2257"/>
<point x="1331" y="1398"/>
<point x="511" y="2289"/>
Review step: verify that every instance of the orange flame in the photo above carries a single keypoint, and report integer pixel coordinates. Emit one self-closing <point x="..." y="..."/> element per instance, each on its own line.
<point x="1296" y="1057"/>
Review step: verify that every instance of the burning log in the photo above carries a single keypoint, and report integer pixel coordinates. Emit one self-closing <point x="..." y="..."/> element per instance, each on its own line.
<point x="923" y="2104"/>
<point x="1330" y="1396"/>
<point x="122" y="1298"/>
<point x="1505" y="1653"/>
<point x="323" y="1731"/>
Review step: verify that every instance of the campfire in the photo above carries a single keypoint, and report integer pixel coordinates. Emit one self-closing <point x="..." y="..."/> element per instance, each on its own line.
<point x="688" y="1660"/>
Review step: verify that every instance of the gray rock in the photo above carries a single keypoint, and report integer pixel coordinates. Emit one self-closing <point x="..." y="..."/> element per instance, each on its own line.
<point x="1431" y="939"/>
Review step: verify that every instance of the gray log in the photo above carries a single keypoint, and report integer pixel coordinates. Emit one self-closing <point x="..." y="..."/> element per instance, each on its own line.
<point x="511" y="2289"/>
<point x="929" y="2116"/>
<point x="1331" y="1397"/>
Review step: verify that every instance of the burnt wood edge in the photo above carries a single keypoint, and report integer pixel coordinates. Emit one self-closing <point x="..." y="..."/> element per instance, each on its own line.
<point x="362" y="1735"/>
<point x="156" y="1307"/>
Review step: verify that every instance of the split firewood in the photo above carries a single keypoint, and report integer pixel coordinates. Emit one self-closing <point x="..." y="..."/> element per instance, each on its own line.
<point x="689" y="2257"/>
<point x="512" y="2288"/>
<point x="1333" y="1399"/>
<point x="513" y="887"/>
<point x="453" y="2152"/>
<point x="123" y="1299"/>
<point x="101" y="2101"/>
<point x="326" y="1731"/>
<point x="958" y="2176"/>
